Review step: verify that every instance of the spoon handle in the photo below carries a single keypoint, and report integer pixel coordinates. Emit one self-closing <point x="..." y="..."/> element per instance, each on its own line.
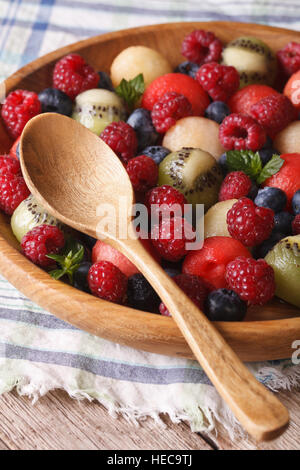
<point x="257" y="409"/>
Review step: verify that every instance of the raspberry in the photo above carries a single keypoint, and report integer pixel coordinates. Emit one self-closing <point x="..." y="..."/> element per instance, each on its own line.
<point x="249" y="223"/>
<point x="274" y="113"/>
<point x="296" y="225"/>
<point x="121" y="138"/>
<point x="18" y="108"/>
<point x="201" y="47"/>
<point x="143" y="173"/>
<point x="73" y="75"/>
<point x="193" y="286"/>
<point x="241" y="132"/>
<point x="165" y="198"/>
<point x="253" y="280"/>
<point x="13" y="190"/>
<point x="179" y="83"/>
<point x="41" y="241"/>
<point x="107" y="282"/>
<point x="220" y="81"/>
<point x="289" y="58"/>
<point x="9" y="164"/>
<point x="236" y="185"/>
<point x="168" y="109"/>
<point x="169" y="238"/>
<point x="243" y="99"/>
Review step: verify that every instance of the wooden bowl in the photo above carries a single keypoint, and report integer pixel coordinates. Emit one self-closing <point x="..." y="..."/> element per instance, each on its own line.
<point x="267" y="333"/>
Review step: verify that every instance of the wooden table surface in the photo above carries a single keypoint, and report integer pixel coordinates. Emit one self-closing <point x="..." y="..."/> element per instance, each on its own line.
<point x="57" y="422"/>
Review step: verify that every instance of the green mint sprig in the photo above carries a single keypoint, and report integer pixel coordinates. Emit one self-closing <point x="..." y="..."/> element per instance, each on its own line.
<point x="131" y="90"/>
<point x="69" y="261"/>
<point x="250" y="163"/>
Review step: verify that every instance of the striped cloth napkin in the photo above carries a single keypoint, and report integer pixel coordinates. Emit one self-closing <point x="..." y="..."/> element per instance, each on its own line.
<point x="39" y="352"/>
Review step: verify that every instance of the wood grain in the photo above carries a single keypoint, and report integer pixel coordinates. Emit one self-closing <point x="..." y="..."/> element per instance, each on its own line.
<point x="52" y="424"/>
<point x="275" y="326"/>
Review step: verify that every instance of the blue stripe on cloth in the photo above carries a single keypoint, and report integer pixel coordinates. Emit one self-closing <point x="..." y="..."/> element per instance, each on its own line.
<point x="34" y="318"/>
<point x="39" y="27"/>
<point x="9" y="22"/>
<point x="113" y="370"/>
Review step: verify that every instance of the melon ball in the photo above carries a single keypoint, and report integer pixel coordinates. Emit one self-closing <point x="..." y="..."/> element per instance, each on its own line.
<point x="288" y="140"/>
<point x="139" y="59"/>
<point x="195" y="132"/>
<point x="215" y="223"/>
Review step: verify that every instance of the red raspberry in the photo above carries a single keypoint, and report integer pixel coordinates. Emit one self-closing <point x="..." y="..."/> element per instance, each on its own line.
<point x="18" y="108"/>
<point x="165" y="197"/>
<point x="143" y="173"/>
<point x="9" y="164"/>
<point x="73" y="75"/>
<point x="289" y="58"/>
<point x="41" y="241"/>
<point x="170" y="237"/>
<point x="201" y="47"/>
<point x="193" y="286"/>
<point x="107" y="282"/>
<point x="121" y="138"/>
<point x="253" y="280"/>
<point x="296" y="225"/>
<point x="249" y="223"/>
<point x="168" y="109"/>
<point x="179" y="83"/>
<point x="243" y="99"/>
<point x="241" y="132"/>
<point x="13" y="190"/>
<point x="236" y="185"/>
<point x="274" y="113"/>
<point x="220" y="81"/>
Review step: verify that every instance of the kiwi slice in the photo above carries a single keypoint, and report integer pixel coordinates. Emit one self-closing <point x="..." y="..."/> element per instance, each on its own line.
<point x="30" y="214"/>
<point x="97" y="108"/>
<point x="285" y="260"/>
<point x="253" y="59"/>
<point x="195" y="173"/>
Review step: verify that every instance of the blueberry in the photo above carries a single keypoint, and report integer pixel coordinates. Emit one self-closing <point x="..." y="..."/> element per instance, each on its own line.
<point x="55" y="101"/>
<point x="88" y="240"/>
<point x="172" y="272"/>
<point x="105" y="81"/>
<point x="225" y="305"/>
<point x="187" y="68"/>
<point x="263" y="249"/>
<point x="253" y="191"/>
<point x="222" y="162"/>
<point x="141" y="295"/>
<point x="283" y="222"/>
<point x="266" y="154"/>
<point x="217" y="111"/>
<point x="80" y="276"/>
<point x="156" y="152"/>
<point x="272" y="198"/>
<point x="141" y="122"/>
<point x="296" y="202"/>
<point x="18" y="151"/>
<point x="268" y="143"/>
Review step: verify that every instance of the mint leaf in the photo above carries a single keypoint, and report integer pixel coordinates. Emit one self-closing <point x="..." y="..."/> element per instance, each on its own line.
<point x="131" y="90"/>
<point x="250" y="163"/>
<point x="69" y="261"/>
<point x="270" y="168"/>
<point x="244" y="160"/>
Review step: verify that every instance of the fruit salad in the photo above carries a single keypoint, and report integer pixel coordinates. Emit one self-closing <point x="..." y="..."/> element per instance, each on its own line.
<point x="221" y="129"/>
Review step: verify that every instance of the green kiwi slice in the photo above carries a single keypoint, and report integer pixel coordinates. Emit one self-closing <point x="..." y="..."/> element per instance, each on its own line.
<point x="97" y="108"/>
<point x="253" y="59"/>
<point x="30" y="214"/>
<point x="285" y="260"/>
<point x="195" y="173"/>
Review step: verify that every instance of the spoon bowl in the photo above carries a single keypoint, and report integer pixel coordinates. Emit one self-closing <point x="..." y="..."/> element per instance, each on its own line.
<point x="71" y="172"/>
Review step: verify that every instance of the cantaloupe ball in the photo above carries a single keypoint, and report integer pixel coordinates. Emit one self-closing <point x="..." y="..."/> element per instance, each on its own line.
<point x="288" y="140"/>
<point x="196" y="132"/>
<point x="139" y="59"/>
<point x="215" y="224"/>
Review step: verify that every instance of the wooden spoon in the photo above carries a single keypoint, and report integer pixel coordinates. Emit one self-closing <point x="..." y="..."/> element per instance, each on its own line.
<point x="71" y="171"/>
